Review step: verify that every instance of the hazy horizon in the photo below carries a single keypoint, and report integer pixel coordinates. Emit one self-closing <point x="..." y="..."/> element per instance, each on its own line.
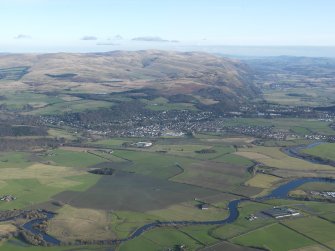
<point x="226" y="50"/>
<point x="272" y="27"/>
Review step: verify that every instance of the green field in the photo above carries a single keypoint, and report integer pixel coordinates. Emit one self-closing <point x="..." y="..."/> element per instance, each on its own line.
<point x="325" y="151"/>
<point x="315" y="228"/>
<point x="34" y="183"/>
<point x="201" y="233"/>
<point x="71" y="158"/>
<point x="216" y="175"/>
<point x="317" y="96"/>
<point x="318" y="186"/>
<point x="17" y="100"/>
<point x="161" y="239"/>
<point x="14" y="159"/>
<point x="190" y="211"/>
<point x="110" y="142"/>
<point x="263" y="180"/>
<point x="234" y="160"/>
<point x="57" y="133"/>
<point x="274" y="157"/>
<point x="31" y="189"/>
<point x="329" y="216"/>
<point x="133" y="192"/>
<point x="42" y="104"/>
<point x="13" y="73"/>
<point x="71" y="106"/>
<point x="242" y="225"/>
<point x="275" y="237"/>
<point x="162" y="104"/>
<point x="17" y="245"/>
<point x="160" y="183"/>
<point x="312" y="125"/>
<point x="193" y="150"/>
<point x="153" y="164"/>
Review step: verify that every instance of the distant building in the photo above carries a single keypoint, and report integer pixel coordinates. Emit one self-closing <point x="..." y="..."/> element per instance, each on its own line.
<point x="281" y="212"/>
<point x="7" y="198"/>
<point x="143" y="144"/>
<point x="251" y="217"/>
<point x="173" y="134"/>
<point x="204" y="206"/>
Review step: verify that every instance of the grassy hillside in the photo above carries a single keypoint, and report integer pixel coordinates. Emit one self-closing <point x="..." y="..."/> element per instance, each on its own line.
<point x="205" y="76"/>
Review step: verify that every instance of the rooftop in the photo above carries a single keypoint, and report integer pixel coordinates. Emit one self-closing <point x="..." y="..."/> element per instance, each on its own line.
<point x="281" y="212"/>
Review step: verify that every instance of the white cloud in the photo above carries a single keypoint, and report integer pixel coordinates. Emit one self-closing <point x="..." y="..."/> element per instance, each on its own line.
<point x="153" y="39"/>
<point x="89" y="38"/>
<point x="22" y="36"/>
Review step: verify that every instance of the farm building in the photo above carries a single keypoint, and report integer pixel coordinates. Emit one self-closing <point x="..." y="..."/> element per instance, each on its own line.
<point x="143" y="144"/>
<point x="281" y="212"/>
<point x="204" y="206"/>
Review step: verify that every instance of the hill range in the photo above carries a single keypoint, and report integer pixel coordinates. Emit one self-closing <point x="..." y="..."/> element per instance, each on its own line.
<point x="210" y="78"/>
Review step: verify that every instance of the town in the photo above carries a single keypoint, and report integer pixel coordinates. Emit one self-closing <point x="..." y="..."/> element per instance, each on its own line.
<point x="180" y="122"/>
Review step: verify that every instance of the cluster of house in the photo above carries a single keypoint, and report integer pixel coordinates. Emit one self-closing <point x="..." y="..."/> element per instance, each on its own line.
<point x="324" y="194"/>
<point x="251" y="217"/>
<point x="142" y="144"/>
<point x="7" y="198"/>
<point x="173" y="134"/>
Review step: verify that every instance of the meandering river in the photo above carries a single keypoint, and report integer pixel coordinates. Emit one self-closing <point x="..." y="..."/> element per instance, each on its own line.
<point x="279" y="193"/>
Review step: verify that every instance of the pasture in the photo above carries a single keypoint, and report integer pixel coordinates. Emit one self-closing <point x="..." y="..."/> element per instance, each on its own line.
<point x="152" y="164"/>
<point x="57" y="133"/>
<point x="149" y="185"/>
<point x="242" y="225"/>
<point x="70" y="158"/>
<point x="318" y="186"/>
<point x="325" y="151"/>
<point x="162" y="104"/>
<point x="262" y="181"/>
<point x="317" y="96"/>
<point x="18" y="245"/>
<point x="72" y="223"/>
<point x="71" y="106"/>
<point x="200" y="233"/>
<point x="197" y="151"/>
<point x="189" y="211"/>
<point x="161" y="239"/>
<point x="13" y="73"/>
<point x="275" y="237"/>
<point x="133" y="192"/>
<point x="17" y="100"/>
<point x="14" y="159"/>
<point x="37" y="183"/>
<point x="215" y="175"/>
<point x="312" y="125"/>
<point x="123" y="223"/>
<point x="315" y="228"/>
<point x="273" y="157"/>
<point x="225" y="245"/>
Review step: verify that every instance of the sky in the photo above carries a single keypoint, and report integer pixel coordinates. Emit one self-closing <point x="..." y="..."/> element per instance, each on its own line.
<point x="100" y="25"/>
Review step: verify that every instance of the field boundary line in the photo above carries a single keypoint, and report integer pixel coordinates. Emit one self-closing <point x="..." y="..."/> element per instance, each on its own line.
<point x="308" y="237"/>
<point x="193" y="238"/>
<point x="253" y="230"/>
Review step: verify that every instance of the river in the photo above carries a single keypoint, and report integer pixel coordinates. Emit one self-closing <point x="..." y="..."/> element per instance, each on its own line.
<point x="279" y="193"/>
